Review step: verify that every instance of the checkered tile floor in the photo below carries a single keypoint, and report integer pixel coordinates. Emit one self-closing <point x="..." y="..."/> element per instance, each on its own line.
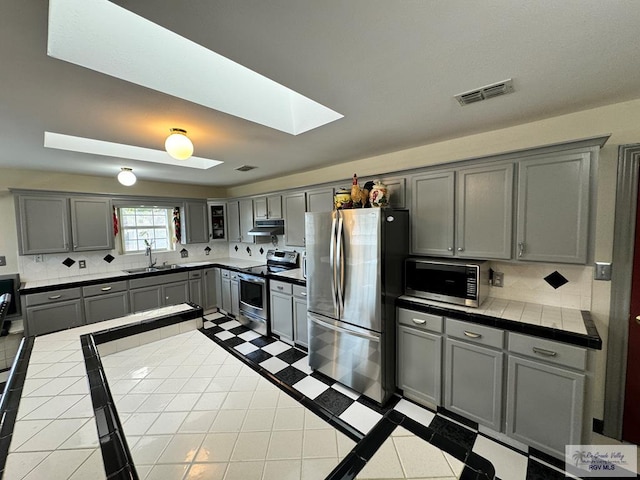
<point x="359" y="415"/>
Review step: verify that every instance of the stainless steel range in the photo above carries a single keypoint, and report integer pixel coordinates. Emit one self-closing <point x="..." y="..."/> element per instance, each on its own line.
<point x="254" y="289"/>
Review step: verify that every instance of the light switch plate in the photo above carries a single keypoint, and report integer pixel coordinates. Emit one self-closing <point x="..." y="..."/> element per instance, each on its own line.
<point x="82" y="264"/>
<point x="498" y="279"/>
<point x="603" y="271"/>
<point x="3" y="261"/>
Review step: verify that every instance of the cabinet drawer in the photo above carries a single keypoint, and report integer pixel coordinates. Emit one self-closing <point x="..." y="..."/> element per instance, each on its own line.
<point x="53" y="296"/>
<point x="280" y="287"/>
<point x="158" y="280"/>
<point x="224" y="273"/>
<point x="548" y="350"/>
<point x="423" y="321"/>
<point x="299" y="291"/>
<point x="195" y="274"/>
<point x="103" y="288"/>
<point x="471" y="332"/>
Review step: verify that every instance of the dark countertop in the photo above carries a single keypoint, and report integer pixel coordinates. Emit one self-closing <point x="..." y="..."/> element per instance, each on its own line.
<point x="590" y="339"/>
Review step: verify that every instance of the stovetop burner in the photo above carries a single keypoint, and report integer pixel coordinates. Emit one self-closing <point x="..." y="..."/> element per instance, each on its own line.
<point x="277" y="261"/>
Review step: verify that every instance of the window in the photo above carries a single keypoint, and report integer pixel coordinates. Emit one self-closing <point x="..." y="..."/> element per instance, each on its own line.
<point x="142" y="225"/>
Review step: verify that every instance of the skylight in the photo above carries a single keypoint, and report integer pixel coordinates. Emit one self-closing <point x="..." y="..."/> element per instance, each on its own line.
<point x="102" y="36"/>
<point x="118" y="150"/>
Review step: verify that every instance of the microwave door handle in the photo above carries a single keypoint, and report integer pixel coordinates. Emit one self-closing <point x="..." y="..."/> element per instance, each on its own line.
<point x="340" y="265"/>
<point x="332" y="262"/>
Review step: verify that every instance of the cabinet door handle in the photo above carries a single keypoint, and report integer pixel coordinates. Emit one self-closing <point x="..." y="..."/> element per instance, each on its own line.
<point x="472" y="334"/>
<point x="450" y="249"/>
<point x="460" y="249"/>
<point x="303" y="294"/>
<point x="280" y="288"/>
<point x="542" y="351"/>
<point x="55" y="297"/>
<point x="418" y="321"/>
<point x="105" y="289"/>
<point x="520" y="249"/>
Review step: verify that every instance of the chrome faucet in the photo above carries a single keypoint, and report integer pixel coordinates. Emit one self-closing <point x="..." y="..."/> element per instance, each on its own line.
<point x="148" y="253"/>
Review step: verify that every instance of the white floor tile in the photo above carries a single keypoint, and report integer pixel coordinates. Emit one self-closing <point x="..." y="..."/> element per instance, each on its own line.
<point x="274" y="365"/>
<point x="413" y="411"/>
<point x="245" y="348"/>
<point x="54" y="407"/>
<point x="224" y="335"/>
<point x="250" y="335"/>
<point x="148" y="449"/>
<point x="508" y="463"/>
<point x="230" y="324"/>
<point x="303" y="365"/>
<point x="360" y="417"/>
<point x="276" y="348"/>
<point x="310" y="387"/>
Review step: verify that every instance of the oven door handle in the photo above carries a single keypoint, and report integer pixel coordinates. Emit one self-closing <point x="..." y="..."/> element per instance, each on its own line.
<point x="251" y="306"/>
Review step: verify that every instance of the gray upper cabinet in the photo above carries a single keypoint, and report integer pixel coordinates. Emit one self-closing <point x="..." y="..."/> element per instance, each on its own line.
<point x="294" y="210"/>
<point x="484" y="211"/>
<point x="553" y="208"/>
<point x="396" y="190"/>
<point x="43" y="224"/>
<point x="432" y="199"/>
<point x="267" y="207"/>
<point x="91" y="223"/>
<point x="245" y="207"/>
<point x="320" y="200"/>
<point x="233" y="221"/>
<point x="195" y="222"/>
<point x="55" y="224"/>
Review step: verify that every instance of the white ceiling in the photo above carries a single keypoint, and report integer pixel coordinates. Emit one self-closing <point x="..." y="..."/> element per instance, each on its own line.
<point x="390" y="67"/>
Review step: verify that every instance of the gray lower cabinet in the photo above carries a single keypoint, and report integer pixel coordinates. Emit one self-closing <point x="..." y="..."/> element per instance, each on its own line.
<point x="196" y="287"/>
<point x="212" y="287"/>
<point x="52" y="311"/>
<point x="473" y="372"/>
<point x="281" y="309"/>
<point x="225" y="282"/>
<point x="158" y="291"/>
<point x="545" y="394"/>
<point x="300" y="326"/>
<point x="235" y="294"/>
<point x="105" y="301"/>
<point x="419" y="356"/>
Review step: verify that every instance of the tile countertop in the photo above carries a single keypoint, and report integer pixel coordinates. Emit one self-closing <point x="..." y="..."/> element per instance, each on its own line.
<point x="79" y="280"/>
<point x="566" y="325"/>
<point x="294" y="276"/>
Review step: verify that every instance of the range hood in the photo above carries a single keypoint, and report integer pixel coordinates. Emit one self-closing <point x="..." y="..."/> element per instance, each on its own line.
<point x="267" y="228"/>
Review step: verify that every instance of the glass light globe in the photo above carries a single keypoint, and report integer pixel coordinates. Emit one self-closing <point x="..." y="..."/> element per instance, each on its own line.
<point x="126" y="177"/>
<point x="178" y="144"/>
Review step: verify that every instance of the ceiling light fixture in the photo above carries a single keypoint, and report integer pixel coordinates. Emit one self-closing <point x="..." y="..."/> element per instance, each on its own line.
<point x="126" y="177"/>
<point x="178" y="144"/>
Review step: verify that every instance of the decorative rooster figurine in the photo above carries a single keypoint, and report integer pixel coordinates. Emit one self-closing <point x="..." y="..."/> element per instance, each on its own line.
<point x="358" y="196"/>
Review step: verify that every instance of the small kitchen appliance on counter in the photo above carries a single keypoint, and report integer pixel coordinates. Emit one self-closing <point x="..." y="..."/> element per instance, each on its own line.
<point x="355" y="259"/>
<point x="253" y="289"/>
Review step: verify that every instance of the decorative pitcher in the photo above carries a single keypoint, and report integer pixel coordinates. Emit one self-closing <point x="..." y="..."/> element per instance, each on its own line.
<point x="379" y="197"/>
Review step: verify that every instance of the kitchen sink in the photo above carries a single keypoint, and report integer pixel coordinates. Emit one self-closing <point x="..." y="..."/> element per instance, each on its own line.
<point x="159" y="268"/>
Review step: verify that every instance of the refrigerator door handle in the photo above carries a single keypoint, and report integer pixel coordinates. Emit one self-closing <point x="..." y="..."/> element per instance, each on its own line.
<point x="340" y="265"/>
<point x="332" y="261"/>
<point x="369" y="336"/>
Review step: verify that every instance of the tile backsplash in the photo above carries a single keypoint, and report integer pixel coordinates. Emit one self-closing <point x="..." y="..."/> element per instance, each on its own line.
<point x="52" y="266"/>
<point x="526" y="282"/>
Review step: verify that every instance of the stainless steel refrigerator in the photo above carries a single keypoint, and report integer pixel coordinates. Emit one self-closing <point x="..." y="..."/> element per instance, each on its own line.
<point x="354" y="274"/>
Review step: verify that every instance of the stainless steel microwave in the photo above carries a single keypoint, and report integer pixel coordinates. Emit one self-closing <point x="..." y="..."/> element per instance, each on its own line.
<point x="452" y="281"/>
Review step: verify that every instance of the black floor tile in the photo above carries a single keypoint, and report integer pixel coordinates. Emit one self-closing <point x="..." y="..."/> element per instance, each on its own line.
<point x="392" y="402"/>
<point x="239" y="330"/>
<point x="262" y="341"/>
<point x="209" y="332"/>
<point x="457" y="433"/>
<point x="291" y="356"/>
<point x="323" y="378"/>
<point x="334" y="401"/>
<point x="234" y="341"/>
<point x="538" y="471"/>
<point x="290" y="375"/>
<point x="258" y="356"/>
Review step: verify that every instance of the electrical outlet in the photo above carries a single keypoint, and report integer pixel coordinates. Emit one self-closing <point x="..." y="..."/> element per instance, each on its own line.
<point x="3" y="261"/>
<point x="603" y="271"/>
<point x="82" y="264"/>
<point x="38" y="258"/>
<point x="498" y="279"/>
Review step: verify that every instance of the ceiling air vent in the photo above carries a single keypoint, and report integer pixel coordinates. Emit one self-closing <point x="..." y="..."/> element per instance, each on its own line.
<point x="245" y="168"/>
<point x="486" y="92"/>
